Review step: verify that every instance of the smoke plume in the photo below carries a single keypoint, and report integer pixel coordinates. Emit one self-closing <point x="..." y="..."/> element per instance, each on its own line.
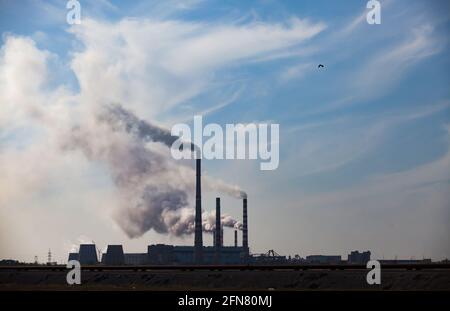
<point x="154" y="189"/>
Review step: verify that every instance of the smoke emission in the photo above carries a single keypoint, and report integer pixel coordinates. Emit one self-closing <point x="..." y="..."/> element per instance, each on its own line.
<point x="123" y="120"/>
<point x="154" y="189"/>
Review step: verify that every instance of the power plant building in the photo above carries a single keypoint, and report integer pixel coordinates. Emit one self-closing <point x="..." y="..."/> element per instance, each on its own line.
<point x="160" y="254"/>
<point x="355" y="257"/>
<point x="324" y="259"/>
<point x="136" y="259"/>
<point x="73" y="256"/>
<point x="114" y="255"/>
<point x="87" y="254"/>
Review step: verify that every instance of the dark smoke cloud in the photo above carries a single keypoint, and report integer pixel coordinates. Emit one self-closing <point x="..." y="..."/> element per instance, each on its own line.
<point x="121" y="119"/>
<point x="152" y="212"/>
<point x="155" y="191"/>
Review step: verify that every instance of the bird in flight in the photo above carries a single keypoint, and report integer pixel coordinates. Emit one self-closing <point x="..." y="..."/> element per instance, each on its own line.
<point x="320" y="66"/>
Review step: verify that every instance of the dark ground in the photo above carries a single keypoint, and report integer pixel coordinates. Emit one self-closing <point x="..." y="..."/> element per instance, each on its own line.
<point x="227" y="280"/>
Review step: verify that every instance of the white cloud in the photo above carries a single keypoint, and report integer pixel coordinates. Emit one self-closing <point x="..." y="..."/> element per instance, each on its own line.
<point x="156" y="65"/>
<point x="384" y="69"/>
<point x="295" y="72"/>
<point x="23" y="72"/>
<point x="436" y="171"/>
<point x="164" y="9"/>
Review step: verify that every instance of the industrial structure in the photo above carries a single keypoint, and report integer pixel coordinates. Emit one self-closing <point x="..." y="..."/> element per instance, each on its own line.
<point x="198" y="239"/>
<point x="114" y="255"/>
<point x="324" y="259"/>
<point x="172" y="255"/>
<point x="87" y="254"/>
<point x="355" y="257"/>
<point x="162" y="254"/>
<point x="198" y="254"/>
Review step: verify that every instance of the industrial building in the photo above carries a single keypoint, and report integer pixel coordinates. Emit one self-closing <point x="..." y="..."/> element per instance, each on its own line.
<point x="135" y="259"/>
<point x="355" y="257"/>
<point x="162" y="254"/>
<point x="324" y="259"/>
<point x="87" y="254"/>
<point x="114" y="256"/>
<point x="73" y="256"/>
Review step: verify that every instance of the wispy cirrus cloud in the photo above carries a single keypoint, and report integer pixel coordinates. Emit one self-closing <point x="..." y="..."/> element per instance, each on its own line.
<point x="296" y="71"/>
<point x="330" y="144"/>
<point x="383" y="71"/>
<point x="132" y="62"/>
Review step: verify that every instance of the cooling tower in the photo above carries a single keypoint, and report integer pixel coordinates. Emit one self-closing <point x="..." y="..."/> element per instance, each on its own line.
<point x="114" y="255"/>
<point x="73" y="256"/>
<point x="87" y="254"/>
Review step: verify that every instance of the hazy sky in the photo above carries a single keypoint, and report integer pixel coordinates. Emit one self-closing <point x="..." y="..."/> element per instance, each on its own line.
<point x="364" y="142"/>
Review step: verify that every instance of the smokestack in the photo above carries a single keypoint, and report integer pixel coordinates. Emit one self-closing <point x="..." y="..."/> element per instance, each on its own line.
<point x="198" y="244"/>
<point x="245" y="227"/>
<point x="218" y="225"/>
<point x="235" y="238"/>
<point x="217" y="231"/>
<point x="221" y="236"/>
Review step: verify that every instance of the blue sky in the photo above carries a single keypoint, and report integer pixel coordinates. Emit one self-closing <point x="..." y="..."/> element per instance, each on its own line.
<point x="364" y="142"/>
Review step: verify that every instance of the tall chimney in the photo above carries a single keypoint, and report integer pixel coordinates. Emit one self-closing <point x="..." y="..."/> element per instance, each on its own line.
<point x="218" y="225"/>
<point x="245" y="227"/>
<point x="218" y="231"/>
<point x="235" y="238"/>
<point x="198" y="244"/>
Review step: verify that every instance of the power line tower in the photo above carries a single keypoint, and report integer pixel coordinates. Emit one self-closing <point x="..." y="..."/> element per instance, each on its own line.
<point x="49" y="256"/>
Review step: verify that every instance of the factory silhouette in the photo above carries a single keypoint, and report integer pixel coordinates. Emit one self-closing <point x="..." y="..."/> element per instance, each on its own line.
<point x="218" y="254"/>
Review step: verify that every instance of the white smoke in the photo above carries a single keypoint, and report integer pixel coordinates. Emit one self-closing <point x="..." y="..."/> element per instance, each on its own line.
<point x="221" y="186"/>
<point x="209" y="221"/>
<point x="182" y="221"/>
<point x="73" y="247"/>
